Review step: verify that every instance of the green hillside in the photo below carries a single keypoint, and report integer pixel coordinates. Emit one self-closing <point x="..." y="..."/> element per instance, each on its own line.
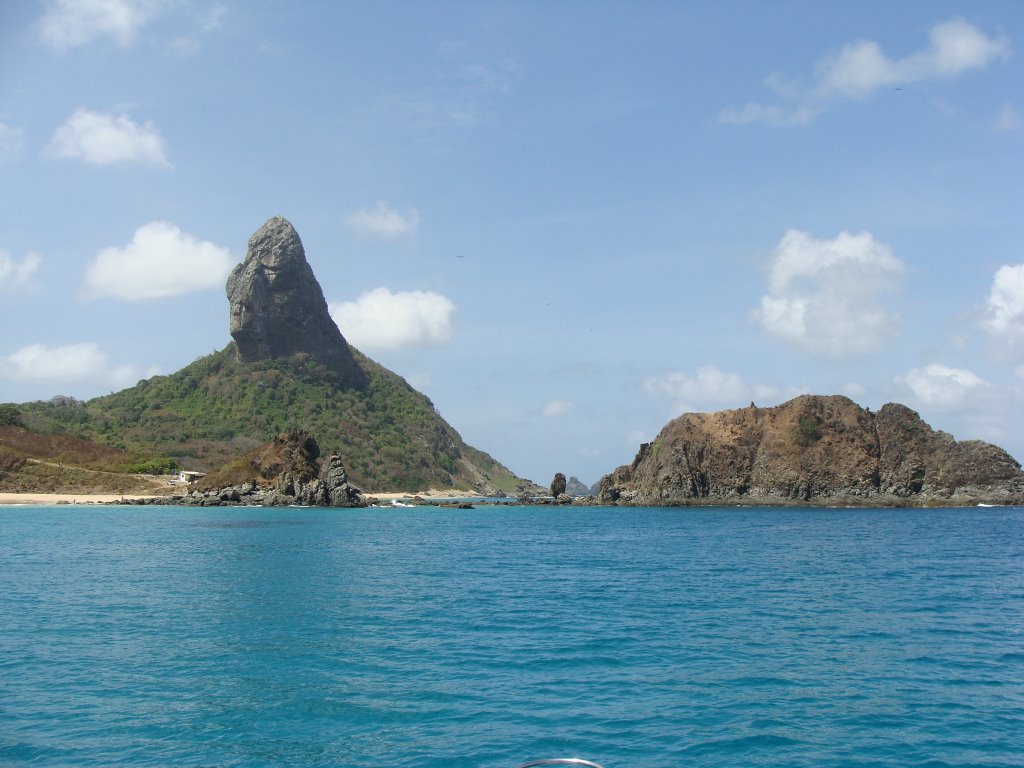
<point x="389" y="435"/>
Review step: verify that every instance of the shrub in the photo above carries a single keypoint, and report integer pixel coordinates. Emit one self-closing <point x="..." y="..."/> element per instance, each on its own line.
<point x="807" y="431"/>
<point x="160" y="465"/>
<point x="10" y="416"/>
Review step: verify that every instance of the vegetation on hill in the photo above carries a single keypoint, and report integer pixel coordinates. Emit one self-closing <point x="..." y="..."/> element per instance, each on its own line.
<point x="52" y="463"/>
<point x="389" y="435"/>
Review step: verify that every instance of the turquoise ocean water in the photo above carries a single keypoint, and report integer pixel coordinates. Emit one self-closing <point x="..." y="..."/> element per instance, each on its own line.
<point x="422" y="637"/>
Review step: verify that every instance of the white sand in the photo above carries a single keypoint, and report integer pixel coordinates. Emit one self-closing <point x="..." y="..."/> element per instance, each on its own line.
<point x="7" y="499"/>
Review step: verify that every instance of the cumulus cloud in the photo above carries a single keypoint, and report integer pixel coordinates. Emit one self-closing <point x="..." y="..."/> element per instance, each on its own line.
<point x="1005" y="312"/>
<point x="72" y="23"/>
<point x="10" y="142"/>
<point x="826" y="295"/>
<point x="384" y="221"/>
<point x="558" y="408"/>
<point x="939" y="386"/>
<point x="83" y="363"/>
<point x="708" y="387"/>
<point x="380" y="319"/>
<point x="15" y="275"/>
<point x="160" y="261"/>
<point x="100" y="139"/>
<point x="861" y="67"/>
<point x="955" y="47"/>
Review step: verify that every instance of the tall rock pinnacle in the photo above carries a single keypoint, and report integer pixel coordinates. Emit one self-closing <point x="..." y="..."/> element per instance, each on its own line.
<point x="278" y="308"/>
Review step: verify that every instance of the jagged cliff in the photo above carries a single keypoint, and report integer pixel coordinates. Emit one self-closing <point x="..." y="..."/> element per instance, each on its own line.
<point x="813" y="449"/>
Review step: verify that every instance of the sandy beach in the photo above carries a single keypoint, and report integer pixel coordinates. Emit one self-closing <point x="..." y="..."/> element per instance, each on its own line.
<point x="11" y="499"/>
<point x="22" y="499"/>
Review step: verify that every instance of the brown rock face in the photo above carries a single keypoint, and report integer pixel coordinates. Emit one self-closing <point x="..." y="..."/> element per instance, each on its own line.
<point x="286" y="470"/>
<point x="813" y="449"/>
<point x="278" y="308"/>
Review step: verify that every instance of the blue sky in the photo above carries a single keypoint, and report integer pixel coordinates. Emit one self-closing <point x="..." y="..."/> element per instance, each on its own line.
<point x="565" y="222"/>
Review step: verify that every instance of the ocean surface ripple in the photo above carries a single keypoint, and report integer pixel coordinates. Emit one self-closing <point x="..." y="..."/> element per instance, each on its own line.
<point x="482" y="638"/>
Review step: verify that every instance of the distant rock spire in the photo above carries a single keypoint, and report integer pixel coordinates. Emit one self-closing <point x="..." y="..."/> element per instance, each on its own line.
<point x="278" y="308"/>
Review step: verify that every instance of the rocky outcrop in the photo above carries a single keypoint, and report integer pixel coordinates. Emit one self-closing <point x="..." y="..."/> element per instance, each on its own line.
<point x="277" y="308"/>
<point x="813" y="449"/>
<point x="283" y="472"/>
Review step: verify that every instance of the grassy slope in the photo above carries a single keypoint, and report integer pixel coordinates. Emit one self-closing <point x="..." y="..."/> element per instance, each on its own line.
<point x="32" y="462"/>
<point x="389" y="435"/>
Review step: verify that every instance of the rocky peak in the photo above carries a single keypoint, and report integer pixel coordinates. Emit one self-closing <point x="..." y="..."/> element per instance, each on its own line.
<point x="278" y="308"/>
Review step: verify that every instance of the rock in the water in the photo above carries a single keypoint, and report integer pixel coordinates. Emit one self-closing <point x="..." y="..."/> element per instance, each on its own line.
<point x="813" y="449"/>
<point x="337" y="490"/>
<point x="278" y="308"/>
<point x="558" y="485"/>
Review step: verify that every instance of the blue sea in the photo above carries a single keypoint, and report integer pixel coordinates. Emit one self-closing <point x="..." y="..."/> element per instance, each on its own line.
<point x="639" y="638"/>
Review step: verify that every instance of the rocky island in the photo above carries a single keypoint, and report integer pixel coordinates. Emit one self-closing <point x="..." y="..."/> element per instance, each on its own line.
<point x="813" y="450"/>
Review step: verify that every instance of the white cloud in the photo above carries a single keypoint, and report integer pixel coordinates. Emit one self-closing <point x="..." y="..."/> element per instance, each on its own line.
<point x="825" y="295"/>
<point x="1005" y="313"/>
<point x="74" y="363"/>
<point x="71" y="23"/>
<point x="160" y="261"/>
<point x="558" y="408"/>
<point x="940" y="386"/>
<point x="100" y="139"/>
<point x="384" y="221"/>
<point x="862" y="67"/>
<point x="380" y="319"/>
<point x="708" y="387"/>
<point x="15" y="275"/>
<point x="10" y="142"/>
<point x="1008" y="120"/>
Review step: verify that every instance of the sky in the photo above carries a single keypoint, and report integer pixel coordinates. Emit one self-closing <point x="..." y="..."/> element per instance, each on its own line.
<point x="565" y="222"/>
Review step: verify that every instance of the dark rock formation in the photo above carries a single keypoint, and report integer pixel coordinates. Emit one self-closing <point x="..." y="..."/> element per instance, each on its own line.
<point x="558" y="485"/>
<point x="283" y="472"/>
<point x="278" y="308"/>
<point x="813" y="449"/>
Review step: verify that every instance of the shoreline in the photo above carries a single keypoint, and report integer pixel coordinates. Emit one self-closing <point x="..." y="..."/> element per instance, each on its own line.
<point x="432" y="495"/>
<point x="78" y="499"/>
<point x="86" y="499"/>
